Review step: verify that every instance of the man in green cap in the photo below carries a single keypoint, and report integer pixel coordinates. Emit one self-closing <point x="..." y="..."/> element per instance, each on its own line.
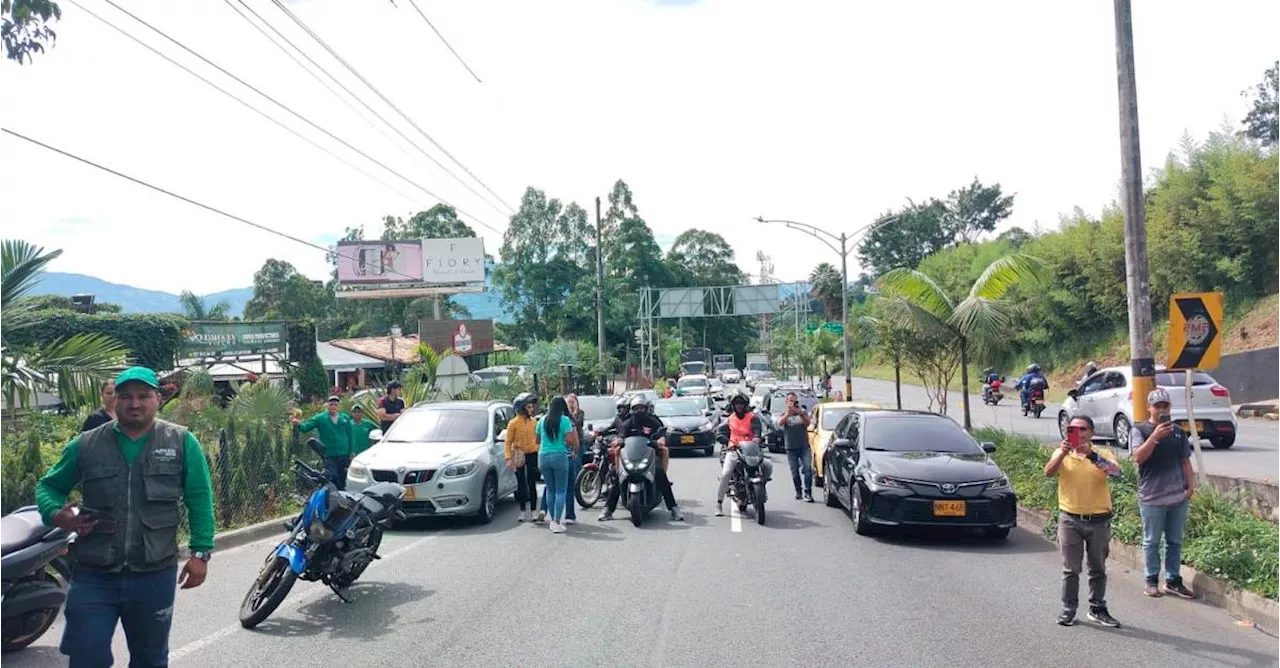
<point x="132" y="473"/>
<point x="333" y="428"/>
<point x="361" y="427"/>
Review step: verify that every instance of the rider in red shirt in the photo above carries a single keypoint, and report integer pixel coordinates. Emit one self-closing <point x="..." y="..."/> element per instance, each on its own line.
<point x="742" y="425"/>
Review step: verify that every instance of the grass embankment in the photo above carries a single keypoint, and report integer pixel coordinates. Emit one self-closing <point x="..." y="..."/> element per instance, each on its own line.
<point x="1223" y="538"/>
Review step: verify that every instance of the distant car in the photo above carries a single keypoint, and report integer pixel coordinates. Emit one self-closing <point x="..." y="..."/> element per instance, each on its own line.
<point x="731" y="376"/>
<point x="690" y="424"/>
<point x="598" y="412"/>
<point x="1107" y="398"/>
<point x="717" y="388"/>
<point x="448" y="455"/>
<point x="693" y="385"/>
<point x="771" y="405"/>
<point x="904" y="468"/>
<point x="822" y="423"/>
<point x="758" y="394"/>
<point x="649" y="395"/>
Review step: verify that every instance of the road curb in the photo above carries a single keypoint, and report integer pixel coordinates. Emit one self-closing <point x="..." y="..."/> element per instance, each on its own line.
<point x="245" y="535"/>
<point x="1244" y="605"/>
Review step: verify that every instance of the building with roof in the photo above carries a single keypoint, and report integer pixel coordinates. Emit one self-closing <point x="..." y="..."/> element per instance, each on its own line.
<point x="346" y="367"/>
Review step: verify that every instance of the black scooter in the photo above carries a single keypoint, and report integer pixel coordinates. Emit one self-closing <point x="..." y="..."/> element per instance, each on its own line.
<point x="36" y="573"/>
<point x="638" y="477"/>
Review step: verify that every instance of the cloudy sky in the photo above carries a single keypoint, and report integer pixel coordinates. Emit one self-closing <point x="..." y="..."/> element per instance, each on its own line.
<point x="714" y="111"/>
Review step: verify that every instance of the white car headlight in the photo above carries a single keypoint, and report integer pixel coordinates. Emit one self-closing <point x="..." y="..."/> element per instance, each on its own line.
<point x="460" y="470"/>
<point x="358" y="471"/>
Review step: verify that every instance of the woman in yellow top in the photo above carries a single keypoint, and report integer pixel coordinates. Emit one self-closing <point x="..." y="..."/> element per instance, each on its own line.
<point x="522" y="438"/>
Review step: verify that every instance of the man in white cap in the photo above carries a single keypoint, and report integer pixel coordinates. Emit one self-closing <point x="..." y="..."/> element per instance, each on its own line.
<point x="1166" y="483"/>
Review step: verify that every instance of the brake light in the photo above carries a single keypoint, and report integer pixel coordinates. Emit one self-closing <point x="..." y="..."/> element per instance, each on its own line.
<point x="1220" y="391"/>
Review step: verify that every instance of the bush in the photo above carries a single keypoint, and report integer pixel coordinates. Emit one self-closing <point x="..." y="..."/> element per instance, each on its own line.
<point x="1223" y="537"/>
<point x="152" y="339"/>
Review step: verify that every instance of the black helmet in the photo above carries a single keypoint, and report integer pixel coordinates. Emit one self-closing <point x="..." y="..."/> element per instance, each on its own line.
<point x="740" y="398"/>
<point x="1033" y="368"/>
<point x="522" y="399"/>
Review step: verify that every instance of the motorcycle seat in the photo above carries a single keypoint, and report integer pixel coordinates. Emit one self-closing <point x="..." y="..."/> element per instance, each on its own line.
<point x="21" y="529"/>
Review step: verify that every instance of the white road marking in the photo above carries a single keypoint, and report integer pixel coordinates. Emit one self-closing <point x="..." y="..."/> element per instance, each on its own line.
<point x="292" y="602"/>
<point x="735" y="520"/>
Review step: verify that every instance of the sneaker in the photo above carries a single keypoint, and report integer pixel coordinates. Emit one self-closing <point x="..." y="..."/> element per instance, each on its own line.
<point x="542" y="517"/>
<point x="524" y="516"/>
<point x="570" y="520"/>
<point x="557" y="527"/>
<point x="720" y="509"/>
<point x="1152" y="590"/>
<point x="1067" y="618"/>
<point x="808" y="498"/>
<point x="676" y="515"/>
<point x="799" y="496"/>
<point x="1178" y="589"/>
<point x="606" y="516"/>
<point x="1101" y="616"/>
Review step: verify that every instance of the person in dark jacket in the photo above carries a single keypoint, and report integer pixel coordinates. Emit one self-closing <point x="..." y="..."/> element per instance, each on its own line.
<point x="108" y="411"/>
<point x="643" y="423"/>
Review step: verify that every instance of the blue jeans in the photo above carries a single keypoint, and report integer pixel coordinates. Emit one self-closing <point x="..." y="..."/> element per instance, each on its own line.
<point x="141" y="602"/>
<point x="1167" y="521"/>
<point x="555" y="474"/>
<point x="570" y="509"/>
<point x="801" y="460"/>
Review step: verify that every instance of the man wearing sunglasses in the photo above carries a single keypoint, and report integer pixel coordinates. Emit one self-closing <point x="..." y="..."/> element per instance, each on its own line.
<point x="1084" y="518"/>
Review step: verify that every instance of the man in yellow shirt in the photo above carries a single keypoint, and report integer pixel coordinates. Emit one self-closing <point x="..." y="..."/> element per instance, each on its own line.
<point x="1084" y="518"/>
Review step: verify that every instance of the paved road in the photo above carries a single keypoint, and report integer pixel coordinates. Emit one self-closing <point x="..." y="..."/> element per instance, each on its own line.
<point x="802" y="591"/>
<point x="1256" y="453"/>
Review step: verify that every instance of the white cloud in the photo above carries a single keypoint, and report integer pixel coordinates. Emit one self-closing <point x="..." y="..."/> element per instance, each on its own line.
<point x="714" y="112"/>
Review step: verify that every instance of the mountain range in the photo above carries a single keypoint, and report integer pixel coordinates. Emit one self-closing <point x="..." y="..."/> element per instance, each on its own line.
<point x="137" y="300"/>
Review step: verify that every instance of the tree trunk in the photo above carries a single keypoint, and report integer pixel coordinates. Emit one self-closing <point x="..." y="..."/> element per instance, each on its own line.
<point x="897" y="381"/>
<point x="964" y="381"/>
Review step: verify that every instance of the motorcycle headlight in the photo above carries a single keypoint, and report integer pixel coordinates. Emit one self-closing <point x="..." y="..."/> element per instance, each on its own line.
<point x="317" y="531"/>
<point x="358" y="471"/>
<point x="999" y="483"/>
<point x="461" y="470"/>
<point x="885" y="481"/>
<point x="637" y="465"/>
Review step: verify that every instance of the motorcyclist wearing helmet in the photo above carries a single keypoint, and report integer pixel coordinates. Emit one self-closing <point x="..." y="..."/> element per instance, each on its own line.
<point x="623" y="406"/>
<point x="742" y="425"/>
<point x="643" y="423"/>
<point x="989" y="377"/>
<point x="1033" y="376"/>
<point x="522" y="437"/>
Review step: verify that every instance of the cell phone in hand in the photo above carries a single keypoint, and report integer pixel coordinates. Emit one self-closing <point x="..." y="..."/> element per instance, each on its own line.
<point x="1073" y="438"/>
<point x="1164" y="418"/>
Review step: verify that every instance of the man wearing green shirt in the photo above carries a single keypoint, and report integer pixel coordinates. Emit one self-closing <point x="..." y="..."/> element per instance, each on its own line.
<point x="360" y="429"/>
<point x="333" y="428"/>
<point x="132" y="472"/>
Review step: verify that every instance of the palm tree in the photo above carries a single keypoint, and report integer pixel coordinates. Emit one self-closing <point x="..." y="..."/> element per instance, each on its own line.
<point x="73" y="367"/>
<point x="193" y="307"/>
<point x="826" y="282"/>
<point x="979" y="323"/>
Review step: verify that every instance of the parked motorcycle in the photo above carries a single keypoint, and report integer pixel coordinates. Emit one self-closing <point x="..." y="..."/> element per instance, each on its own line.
<point x="334" y="540"/>
<point x="746" y="486"/>
<point x="640" y="464"/>
<point x="36" y="573"/>
<point x="595" y="479"/>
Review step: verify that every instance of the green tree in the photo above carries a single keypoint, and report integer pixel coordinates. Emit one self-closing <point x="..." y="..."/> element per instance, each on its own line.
<point x="702" y="258"/>
<point x="975" y="209"/>
<point x="903" y="239"/>
<point x="24" y="27"/>
<point x="977" y="323"/>
<point x="1261" y="123"/>
<point x="827" y="286"/>
<point x="195" y="308"/>
<point x="281" y="292"/>
<point x="439" y="222"/>
<point x="73" y="366"/>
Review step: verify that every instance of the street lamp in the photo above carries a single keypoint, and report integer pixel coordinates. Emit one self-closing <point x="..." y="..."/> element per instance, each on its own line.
<point x="843" y="251"/>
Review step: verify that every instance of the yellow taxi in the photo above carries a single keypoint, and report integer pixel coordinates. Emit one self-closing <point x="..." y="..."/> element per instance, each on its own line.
<point x="822" y="421"/>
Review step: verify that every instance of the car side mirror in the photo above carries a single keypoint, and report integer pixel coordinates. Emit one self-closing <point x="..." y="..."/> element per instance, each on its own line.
<point x="1073" y="393"/>
<point x="988" y="447"/>
<point x="502" y="435"/>
<point x="375" y="435"/>
<point x="842" y="444"/>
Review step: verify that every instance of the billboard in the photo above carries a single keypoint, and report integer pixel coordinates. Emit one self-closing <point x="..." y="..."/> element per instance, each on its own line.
<point x="681" y="302"/>
<point x="379" y="262"/>
<point x="464" y="337"/>
<point x="453" y="260"/>
<point x="231" y="339"/>
<point x="755" y="299"/>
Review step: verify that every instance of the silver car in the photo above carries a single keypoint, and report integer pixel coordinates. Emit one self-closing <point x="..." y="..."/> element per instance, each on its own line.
<point x="449" y="457"/>
<point x="1107" y="398"/>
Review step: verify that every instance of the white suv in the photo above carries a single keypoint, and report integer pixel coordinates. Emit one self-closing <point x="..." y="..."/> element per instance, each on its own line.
<point x="1107" y="398"/>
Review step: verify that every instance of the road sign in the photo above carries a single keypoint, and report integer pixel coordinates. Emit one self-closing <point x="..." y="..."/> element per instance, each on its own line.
<point x="1195" y="330"/>
<point x="833" y="327"/>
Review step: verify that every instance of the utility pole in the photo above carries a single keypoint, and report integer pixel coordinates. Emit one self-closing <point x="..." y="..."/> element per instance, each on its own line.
<point x="600" y="291"/>
<point x="1141" y="344"/>
<point x="844" y="317"/>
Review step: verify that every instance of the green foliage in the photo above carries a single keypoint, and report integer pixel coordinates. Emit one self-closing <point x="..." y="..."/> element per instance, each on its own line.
<point x="280" y="292"/>
<point x="195" y="308"/>
<point x="24" y="27"/>
<point x="1261" y="122"/>
<point x="901" y="240"/>
<point x="29" y="450"/>
<point x="263" y="403"/>
<point x="1223" y="537"/>
<point x="826" y="282"/>
<point x="313" y="381"/>
<point x="301" y="338"/>
<point x="152" y="339"/>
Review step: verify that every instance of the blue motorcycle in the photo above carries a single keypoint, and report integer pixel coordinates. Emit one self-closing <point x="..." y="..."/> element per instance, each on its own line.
<point x="334" y="540"/>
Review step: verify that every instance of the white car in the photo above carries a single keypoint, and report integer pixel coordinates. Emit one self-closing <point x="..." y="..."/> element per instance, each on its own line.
<point x="692" y="385"/>
<point x="449" y="457"/>
<point x="731" y="376"/>
<point x="1107" y="398"/>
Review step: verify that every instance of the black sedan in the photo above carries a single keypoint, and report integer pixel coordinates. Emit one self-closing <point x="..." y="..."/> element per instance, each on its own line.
<point x="907" y="468"/>
<point x="690" y="424"/>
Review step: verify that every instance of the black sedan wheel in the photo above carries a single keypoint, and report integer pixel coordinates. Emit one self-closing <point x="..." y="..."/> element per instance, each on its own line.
<point x="861" y="525"/>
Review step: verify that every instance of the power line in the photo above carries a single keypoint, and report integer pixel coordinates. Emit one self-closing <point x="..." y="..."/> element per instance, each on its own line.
<point x="287" y="108"/>
<point x="252" y="108"/>
<point x="357" y="98"/>
<point x="446" y="42"/>
<point x="389" y="103"/>
<point x="188" y="200"/>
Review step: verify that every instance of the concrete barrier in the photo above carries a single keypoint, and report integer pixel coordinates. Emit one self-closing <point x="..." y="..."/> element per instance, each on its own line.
<point x="1260" y="496"/>
<point x="1251" y="376"/>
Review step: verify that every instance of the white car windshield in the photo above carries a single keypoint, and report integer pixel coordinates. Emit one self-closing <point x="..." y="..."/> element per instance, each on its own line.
<point x="440" y="425"/>
<point x="691" y="382"/>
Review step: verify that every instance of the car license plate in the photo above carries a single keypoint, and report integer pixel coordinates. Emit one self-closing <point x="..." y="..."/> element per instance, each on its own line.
<point x="686" y="439"/>
<point x="1186" y="426"/>
<point x="948" y="508"/>
<point x="409" y="494"/>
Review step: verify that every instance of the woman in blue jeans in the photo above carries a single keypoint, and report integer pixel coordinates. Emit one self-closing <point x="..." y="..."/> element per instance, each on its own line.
<point x="557" y="439"/>
<point x="575" y="457"/>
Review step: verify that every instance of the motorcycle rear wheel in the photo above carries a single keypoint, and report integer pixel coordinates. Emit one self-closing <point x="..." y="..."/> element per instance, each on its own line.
<point x="267" y="592"/>
<point x="349" y="578"/>
<point x="21" y="631"/>
<point x="588" y="488"/>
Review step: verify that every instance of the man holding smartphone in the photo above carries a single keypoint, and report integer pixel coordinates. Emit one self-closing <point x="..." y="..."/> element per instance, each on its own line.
<point x="1084" y="518"/>
<point x="795" y="437"/>
<point x="1166" y="483"/>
